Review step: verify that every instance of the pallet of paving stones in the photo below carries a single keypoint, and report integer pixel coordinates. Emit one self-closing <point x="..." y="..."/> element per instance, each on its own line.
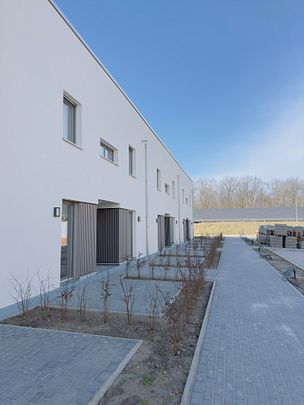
<point x="291" y="242"/>
<point x="280" y="230"/>
<point x="275" y="241"/>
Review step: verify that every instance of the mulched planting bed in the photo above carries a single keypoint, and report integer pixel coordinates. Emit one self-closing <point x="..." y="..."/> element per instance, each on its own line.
<point x="155" y="376"/>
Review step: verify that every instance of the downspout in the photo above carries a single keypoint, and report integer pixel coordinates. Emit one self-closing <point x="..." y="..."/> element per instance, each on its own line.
<point x="146" y="196"/>
<point x="178" y="210"/>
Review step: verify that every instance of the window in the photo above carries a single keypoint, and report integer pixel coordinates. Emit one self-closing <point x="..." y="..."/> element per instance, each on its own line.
<point x="107" y="151"/>
<point x="186" y="200"/>
<point x="158" y="179"/>
<point x="131" y="161"/>
<point x="167" y="188"/>
<point x="183" y="196"/>
<point x="173" y="189"/>
<point x="69" y="120"/>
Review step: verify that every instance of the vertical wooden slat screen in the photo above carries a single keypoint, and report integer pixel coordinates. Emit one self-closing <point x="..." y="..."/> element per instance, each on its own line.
<point x="84" y="252"/>
<point x="161" y="231"/>
<point x="125" y="234"/>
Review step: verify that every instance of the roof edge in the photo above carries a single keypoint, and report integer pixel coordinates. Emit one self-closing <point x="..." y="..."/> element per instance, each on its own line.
<point x="70" y="25"/>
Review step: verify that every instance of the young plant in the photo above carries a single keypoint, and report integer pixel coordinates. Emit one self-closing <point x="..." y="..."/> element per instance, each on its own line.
<point x="128" y="260"/>
<point x="128" y="298"/>
<point x="166" y="267"/>
<point x="65" y="294"/>
<point x="44" y="291"/>
<point x="105" y="294"/>
<point x="152" y="305"/>
<point x="22" y="294"/>
<point x="82" y="291"/>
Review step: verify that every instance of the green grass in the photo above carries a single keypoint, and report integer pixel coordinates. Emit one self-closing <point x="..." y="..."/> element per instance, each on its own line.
<point x="143" y="402"/>
<point x="147" y="380"/>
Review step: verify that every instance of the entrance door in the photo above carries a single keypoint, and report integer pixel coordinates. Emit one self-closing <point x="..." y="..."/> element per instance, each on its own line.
<point x="67" y="232"/>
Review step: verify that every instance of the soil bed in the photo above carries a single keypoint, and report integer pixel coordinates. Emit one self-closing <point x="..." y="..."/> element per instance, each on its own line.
<point x="154" y="376"/>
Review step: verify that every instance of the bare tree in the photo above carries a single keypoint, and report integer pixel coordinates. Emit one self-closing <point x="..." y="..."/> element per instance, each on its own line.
<point x="45" y="287"/>
<point x="128" y="298"/>
<point x="22" y="294"/>
<point x="248" y="192"/>
<point x="129" y="261"/>
<point x="82" y="292"/>
<point x="105" y="294"/>
<point x="152" y="305"/>
<point x="66" y="293"/>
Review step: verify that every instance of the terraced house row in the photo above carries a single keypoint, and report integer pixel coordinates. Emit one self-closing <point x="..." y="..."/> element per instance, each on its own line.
<point x="84" y="178"/>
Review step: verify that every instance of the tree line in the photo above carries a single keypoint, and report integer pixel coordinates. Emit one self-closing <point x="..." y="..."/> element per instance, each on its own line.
<point x="248" y="192"/>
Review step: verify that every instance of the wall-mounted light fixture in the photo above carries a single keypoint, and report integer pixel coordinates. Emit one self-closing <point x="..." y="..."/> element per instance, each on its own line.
<point x="138" y="219"/>
<point x="56" y="212"/>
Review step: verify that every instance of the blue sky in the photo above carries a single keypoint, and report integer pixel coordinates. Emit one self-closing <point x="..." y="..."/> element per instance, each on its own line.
<point x="220" y="81"/>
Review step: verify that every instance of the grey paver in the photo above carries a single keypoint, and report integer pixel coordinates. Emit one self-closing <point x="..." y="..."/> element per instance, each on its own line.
<point x="141" y="289"/>
<point x="254" y="339"/>
<point x="52" y="367"/>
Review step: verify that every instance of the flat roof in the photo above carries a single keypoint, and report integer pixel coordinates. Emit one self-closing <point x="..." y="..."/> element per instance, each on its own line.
<point x="70" y="25"/>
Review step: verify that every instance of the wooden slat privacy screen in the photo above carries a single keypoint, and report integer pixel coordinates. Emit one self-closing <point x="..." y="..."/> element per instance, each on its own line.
<point x="84" y="251"/>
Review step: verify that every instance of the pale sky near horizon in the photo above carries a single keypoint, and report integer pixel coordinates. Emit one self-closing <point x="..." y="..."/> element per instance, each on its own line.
<point x="220" y="81"/>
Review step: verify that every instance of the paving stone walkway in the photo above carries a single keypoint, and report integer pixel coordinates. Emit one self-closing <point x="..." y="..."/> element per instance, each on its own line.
<point x="141" y="290"/>
<point x="48" y="367"/>
<point x="253" y="349"/>
<point x="293" y="256"/>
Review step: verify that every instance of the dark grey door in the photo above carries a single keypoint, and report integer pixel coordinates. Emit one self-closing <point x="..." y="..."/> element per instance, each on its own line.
<point x="114" y="235"/>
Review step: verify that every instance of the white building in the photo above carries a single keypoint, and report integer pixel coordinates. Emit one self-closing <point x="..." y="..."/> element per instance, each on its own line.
<point x="77" y="159"/>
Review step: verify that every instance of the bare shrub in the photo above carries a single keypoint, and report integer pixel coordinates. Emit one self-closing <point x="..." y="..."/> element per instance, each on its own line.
<point x="152" y="305"/>
<point x="128" y="298"/>
<point x="105" y="294"/>
<point x="65" y="294"/>
<point x="45" y="287"/>
<point x="128" y="260"/>
<point x="174" y="315"/>
<point x="22" y="294"/>
<point x="166" y="267"/>
<point x="82" y="291"/>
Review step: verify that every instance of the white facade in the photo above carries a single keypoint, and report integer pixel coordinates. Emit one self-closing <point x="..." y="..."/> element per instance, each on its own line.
<point x="42" y="58"/>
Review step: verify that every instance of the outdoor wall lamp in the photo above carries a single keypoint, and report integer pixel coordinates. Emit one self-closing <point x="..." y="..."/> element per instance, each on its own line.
<point x="56" y="212"/>
<point x="138" y="219"/>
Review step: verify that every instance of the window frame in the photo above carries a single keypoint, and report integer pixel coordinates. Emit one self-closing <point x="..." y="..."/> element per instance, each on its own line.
<point x="107" y="147"/>
<point x="132" y="160"/>
<point x="158" y="179"/>
<point x="71" y="107"/>
<point x="167" y="188"/>
<point x="68" y="100"/>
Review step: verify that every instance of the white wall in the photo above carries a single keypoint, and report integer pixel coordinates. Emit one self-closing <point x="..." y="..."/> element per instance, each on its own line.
<point x="41" y="57"/>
